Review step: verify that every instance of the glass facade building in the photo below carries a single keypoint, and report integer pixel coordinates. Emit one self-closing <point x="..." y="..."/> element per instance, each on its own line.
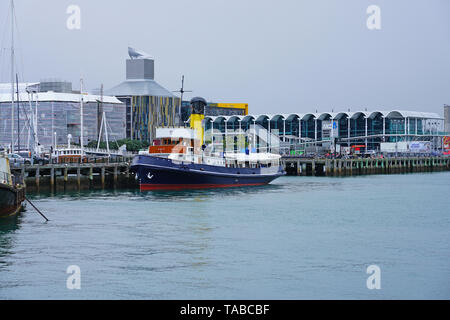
<point x="57" y="115"/>
<point x="297" y="131"/>
<point x="150" y="112"/>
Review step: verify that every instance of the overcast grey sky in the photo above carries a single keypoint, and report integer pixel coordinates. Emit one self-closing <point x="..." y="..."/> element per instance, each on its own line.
<point x="278" y="56"/>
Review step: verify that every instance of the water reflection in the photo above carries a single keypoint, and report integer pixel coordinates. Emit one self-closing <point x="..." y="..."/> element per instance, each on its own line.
<point x="10" y="224"/>
<point x="179" y="195"/>
<point x="8" y="228"/>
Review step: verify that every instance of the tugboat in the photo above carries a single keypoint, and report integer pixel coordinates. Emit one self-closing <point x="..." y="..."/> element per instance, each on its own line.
<point x="181" y="162"/>
<point x="12" y="192"/>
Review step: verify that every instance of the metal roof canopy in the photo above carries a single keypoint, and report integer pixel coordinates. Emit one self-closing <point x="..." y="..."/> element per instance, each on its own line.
<point x="140" y="88"/>
<point x="332" y="115"/>
<point x="50" y="96"/>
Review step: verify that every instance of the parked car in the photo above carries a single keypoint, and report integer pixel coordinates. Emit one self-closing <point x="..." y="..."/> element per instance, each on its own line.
<point x="36" y="158"/>
<point x="40" y="160"/>
<point x="17" y="160"/>
<point x="24" y="154"/>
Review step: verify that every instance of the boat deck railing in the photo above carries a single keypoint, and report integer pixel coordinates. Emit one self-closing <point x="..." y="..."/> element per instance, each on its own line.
<point x="5" y="177"/>
<point x="17" y="179"/>
<point x="8" y="178"/>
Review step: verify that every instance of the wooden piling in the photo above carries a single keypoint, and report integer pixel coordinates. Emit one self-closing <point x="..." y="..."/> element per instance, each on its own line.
<point x="91" y="177"/>
<point x="115" y="176"/>
<point x="79" y="178"/>
<point x="52" y="179"/>
<point x="66" y="178"/>
<point x="103" y="177"/>
<point x="37" y="177"/>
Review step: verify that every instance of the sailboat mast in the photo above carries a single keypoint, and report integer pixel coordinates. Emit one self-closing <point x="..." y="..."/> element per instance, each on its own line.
<point x="18" y="113"/>
<point x="12" y="76"/>
<point x="81" y="116"/>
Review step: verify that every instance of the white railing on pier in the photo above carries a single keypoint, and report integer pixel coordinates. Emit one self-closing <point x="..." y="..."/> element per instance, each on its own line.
<point x="108" y="152"/>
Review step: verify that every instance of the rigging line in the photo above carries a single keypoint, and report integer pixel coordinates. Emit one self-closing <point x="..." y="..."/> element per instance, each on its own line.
<point x="4" y="29"/>
<point x="19" y="41"/>
<point x="28" y="120"/>
<point x="3" y="45"/>
<point x="2" y="65"/>
<point x="114" y="136"/>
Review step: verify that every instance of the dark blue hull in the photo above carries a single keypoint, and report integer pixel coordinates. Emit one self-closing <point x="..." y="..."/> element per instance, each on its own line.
<point x="10" y="200"/>
<point x="156" y="173"/>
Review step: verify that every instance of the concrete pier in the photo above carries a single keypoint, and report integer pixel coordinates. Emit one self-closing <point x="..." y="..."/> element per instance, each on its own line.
<point x="348" y="167"/>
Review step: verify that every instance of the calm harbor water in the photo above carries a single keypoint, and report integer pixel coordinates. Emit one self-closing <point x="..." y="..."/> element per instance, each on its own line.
<point x="299" y="238"/>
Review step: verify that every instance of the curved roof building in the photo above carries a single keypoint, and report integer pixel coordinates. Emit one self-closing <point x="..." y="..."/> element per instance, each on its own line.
<point x="336" y="115"/>
<point x="368" y="128"/>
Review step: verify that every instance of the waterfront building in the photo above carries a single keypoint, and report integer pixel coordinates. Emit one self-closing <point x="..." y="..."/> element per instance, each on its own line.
<point x="148" y="104"/>
<point x="328" y="131"/>
<point x="55" y="115"/>
<point x="5" y="88"/>
<point x="447" y="118"/>
<point x="55" y="85"/>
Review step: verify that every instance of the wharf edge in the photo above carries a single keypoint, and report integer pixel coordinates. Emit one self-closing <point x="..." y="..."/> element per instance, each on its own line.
<point x="57" y="178"/>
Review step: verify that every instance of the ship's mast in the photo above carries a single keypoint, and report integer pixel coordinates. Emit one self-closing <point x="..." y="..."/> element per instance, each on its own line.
<point x="12" y="76"/>
<point x="182" y="91"/>
<point x="181" y="98"/>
